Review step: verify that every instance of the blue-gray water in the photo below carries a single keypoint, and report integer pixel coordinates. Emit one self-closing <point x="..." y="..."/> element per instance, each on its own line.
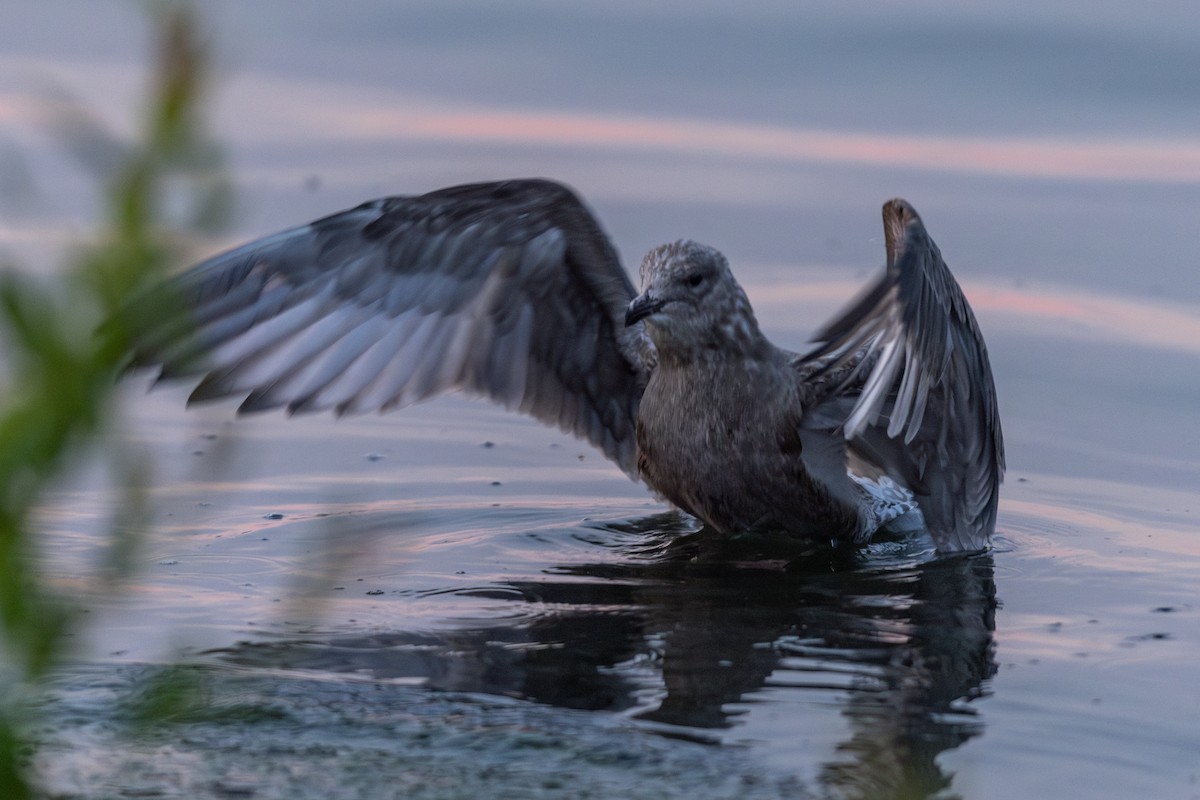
<point x="455" y="600"/>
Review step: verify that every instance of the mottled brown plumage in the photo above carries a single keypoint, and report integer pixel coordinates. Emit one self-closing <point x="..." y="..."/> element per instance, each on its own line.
<point x="512" y="291"/>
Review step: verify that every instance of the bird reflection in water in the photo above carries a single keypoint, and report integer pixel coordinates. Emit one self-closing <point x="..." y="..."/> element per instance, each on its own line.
<point x="683" y="633"/>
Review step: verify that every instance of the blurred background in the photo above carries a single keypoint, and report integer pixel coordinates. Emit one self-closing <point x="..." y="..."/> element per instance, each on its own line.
<point x="1052" y="150"/>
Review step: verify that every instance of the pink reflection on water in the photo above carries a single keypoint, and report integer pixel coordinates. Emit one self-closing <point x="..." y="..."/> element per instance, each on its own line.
<point x="1026" y="303"/>
<point x="1058" y="311"/>
<point x="1167" y="160"/>
<point x="1102" y="540"/>
<point x="1139" y="321"/>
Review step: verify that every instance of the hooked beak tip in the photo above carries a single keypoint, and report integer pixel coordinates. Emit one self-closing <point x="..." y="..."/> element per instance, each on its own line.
<point x="641" y="307"/>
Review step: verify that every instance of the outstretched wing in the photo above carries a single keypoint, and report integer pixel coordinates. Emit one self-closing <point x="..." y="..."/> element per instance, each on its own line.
<point x="506" y="290"/>
<point x="916" y="387"/>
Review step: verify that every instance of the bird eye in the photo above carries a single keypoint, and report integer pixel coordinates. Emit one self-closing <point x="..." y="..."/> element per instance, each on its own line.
<point x="695" y="280"/>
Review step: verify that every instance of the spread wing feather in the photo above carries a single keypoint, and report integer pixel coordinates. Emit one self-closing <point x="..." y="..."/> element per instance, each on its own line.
<point x="913" y="387"/>
<point x="506" y="290"/>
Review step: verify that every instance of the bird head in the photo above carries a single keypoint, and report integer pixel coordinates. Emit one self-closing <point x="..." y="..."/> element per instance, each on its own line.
<point x="690" y="301"/>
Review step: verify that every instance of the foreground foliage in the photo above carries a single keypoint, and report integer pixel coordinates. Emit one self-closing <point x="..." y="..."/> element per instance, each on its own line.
<point x="58" y="377"/>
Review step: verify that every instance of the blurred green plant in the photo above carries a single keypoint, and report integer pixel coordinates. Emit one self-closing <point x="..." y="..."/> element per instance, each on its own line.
<point x="58" y="373"/>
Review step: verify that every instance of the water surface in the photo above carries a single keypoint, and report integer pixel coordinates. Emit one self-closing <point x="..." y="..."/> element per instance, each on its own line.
<point x="458" y="584"/>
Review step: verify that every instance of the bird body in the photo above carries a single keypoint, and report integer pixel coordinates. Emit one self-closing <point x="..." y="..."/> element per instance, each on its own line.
<point x="719" y="437"/>
<point x="718" y="426"/>
<point x="512" y="291"/>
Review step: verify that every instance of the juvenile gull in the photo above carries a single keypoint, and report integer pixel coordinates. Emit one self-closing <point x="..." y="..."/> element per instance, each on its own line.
<point x="513" y="292"/>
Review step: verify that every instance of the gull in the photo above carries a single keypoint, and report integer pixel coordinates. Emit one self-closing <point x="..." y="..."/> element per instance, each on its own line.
<point x="512" y="291"/>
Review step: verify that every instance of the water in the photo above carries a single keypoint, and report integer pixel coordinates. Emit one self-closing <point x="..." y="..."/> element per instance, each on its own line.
<point x="451" y="600"/>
